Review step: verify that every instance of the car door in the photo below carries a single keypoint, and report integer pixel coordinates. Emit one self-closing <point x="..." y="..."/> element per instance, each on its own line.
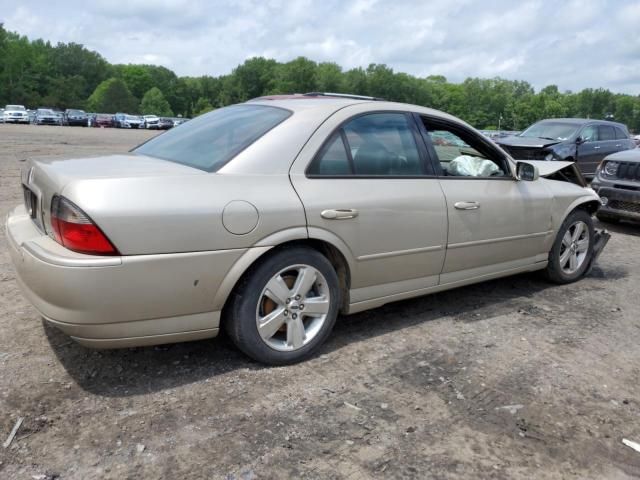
<point x="366" y="186"/>
<point x="496" y="223"/>
<point x="589" y="150"/>
<point x="623" y="142"/>
<point x="608" y="142"/>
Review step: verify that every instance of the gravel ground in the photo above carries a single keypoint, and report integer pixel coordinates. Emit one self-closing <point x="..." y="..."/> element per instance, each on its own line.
<point x="510" y="379"/>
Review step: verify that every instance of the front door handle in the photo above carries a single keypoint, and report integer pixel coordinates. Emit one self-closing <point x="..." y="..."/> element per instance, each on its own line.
<point x="596" y="147"/>
<point x="467" y="205"/>
<point x="339" y="213"/>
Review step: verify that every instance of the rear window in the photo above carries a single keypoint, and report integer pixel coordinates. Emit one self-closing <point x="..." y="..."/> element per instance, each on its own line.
<point x="211" y="140"/>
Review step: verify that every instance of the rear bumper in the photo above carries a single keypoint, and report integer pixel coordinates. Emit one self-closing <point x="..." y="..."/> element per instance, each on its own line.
<point x="620" y="203"/>
<point x="109" y="302"/>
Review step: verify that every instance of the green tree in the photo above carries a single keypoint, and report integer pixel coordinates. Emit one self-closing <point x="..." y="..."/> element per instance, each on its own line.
<point x="112" y="96"/>
<point x="154" y="103"/>
<point x="296" y="76"/>
<point x="202" y="106"/>
<point x="329" y="77"/>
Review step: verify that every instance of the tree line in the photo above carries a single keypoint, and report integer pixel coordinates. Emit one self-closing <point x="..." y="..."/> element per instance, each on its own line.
<point x="67" y="75"/>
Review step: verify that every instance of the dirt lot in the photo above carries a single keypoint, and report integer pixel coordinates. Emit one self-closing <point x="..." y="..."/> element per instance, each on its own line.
<point x="513" y="378"/>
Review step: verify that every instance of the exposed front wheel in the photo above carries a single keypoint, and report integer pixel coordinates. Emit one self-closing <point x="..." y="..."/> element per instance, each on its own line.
<point x="285" y="307"/>
<point x="573" y="248"/>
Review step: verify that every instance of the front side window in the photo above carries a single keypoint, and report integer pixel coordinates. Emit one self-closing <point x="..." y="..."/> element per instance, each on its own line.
<point x="461" y="155"/>
<point x="211" y="140"/>
<point x="589" y="133"/>
<point x="372" y="145"/>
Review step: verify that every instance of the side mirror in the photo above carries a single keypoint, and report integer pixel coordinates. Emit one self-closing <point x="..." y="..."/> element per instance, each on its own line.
<point x="580" y="140"/>
<point x="527" y="172"/>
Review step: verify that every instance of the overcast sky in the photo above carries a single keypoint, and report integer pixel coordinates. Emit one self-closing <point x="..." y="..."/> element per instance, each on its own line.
<point x="573" y="44"/>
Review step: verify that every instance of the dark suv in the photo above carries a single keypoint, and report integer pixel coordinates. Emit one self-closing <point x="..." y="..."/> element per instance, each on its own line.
<point x="584" y="141"/>
<point x="76" y="117"/>
<point x="617" y="181"/>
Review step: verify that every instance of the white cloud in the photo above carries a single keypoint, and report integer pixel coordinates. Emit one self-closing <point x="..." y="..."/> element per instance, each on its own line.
<point x="573" y="44"/>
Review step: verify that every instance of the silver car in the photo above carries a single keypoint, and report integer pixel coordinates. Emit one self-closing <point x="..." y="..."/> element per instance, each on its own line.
<point x="268" y="218"/>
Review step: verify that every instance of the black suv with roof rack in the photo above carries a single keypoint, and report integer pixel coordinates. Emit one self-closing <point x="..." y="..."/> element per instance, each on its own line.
<point x="584" y="141"/>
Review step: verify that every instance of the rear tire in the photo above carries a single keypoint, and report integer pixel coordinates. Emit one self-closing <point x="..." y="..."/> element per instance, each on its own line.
<point x="572" y="250"/>
<point x="284" y="307"/>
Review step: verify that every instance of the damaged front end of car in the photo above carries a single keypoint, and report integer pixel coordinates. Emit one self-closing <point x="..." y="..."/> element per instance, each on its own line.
<point x="561" y="171"/>
<point x="569" y="172"/>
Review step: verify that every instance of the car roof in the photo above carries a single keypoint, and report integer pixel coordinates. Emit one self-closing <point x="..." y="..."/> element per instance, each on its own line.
<point x="327" y="104"/>
<point x="284" y="142"/>
<point x="582" y="121"/>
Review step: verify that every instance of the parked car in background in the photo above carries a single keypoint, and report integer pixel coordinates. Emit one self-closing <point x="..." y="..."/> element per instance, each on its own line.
<point x="124" y="120"/>
<point x="636" y="140"/>
<point x="165" y="123"/>
<point x="102" y="120"/>
<point x="179" y="121"/>
<point x="151" y="122"/>
<point x="583" y="141"/>
<point x="15" y="114"/>
<point x="283" y="212"/>
<point x="1" y="115"/>
<point x="617" y="181"/>
<point x="46" y="116"/>
<point x="493" y="134"/>
<point x="73" y="117"/>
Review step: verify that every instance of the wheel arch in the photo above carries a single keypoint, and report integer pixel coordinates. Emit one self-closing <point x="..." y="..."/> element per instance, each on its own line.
<point x="255" y="255"/>
<point x="589" y="204"/>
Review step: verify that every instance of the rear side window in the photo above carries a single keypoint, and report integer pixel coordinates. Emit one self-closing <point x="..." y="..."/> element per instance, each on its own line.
<point x="605" y="132"/>
<point x="620" y="134"/>
<point x="211" y="140"/>
<point x="372" y="145"/>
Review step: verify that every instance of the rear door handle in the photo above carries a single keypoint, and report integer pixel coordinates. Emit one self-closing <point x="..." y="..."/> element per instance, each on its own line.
<point x="618" y="145"/>
<point x="339" y="213"/>
<point x="596" y="147"/>
<point x="467" y="205"/>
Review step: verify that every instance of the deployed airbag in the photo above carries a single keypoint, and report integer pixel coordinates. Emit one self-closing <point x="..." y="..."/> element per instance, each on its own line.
<point x="468" y="166"/>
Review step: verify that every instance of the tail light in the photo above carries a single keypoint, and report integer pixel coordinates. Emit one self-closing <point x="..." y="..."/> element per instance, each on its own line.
<point x="74" y="229"/>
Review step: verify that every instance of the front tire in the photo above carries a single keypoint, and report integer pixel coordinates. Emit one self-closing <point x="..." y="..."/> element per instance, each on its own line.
<point x="572" y="250"/>
<point x="285" y="307"/>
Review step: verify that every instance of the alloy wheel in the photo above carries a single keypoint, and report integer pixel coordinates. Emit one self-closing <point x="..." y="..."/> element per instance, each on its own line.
<point x="574" y="247"/>
<point x="293" y="307"/>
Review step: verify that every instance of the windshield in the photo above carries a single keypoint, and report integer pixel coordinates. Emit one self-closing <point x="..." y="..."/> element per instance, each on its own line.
<point x="76" y="112"/>
<point x="132" y="117"/>
<point x="14" y="107"/>
<point x="551" y="130"/>
<point x="45" y="111"/>
<point x="211" y="140"/>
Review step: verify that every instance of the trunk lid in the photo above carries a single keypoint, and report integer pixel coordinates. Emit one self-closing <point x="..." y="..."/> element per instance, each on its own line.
<point x="43" y="178"/>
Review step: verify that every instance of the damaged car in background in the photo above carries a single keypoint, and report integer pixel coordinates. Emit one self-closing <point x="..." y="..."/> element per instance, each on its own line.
<point x="583" y="141"/>
<point x="269" y="218"/>
<point x="617" y="181"/>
